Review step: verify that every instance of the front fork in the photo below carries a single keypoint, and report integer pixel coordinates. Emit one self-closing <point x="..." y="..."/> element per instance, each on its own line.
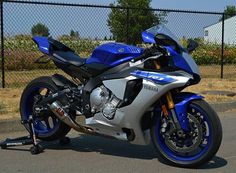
<point x="171" y="107"/>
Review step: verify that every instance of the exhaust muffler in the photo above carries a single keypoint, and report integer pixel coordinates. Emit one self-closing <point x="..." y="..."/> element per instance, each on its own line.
<point x="64" y="117"/>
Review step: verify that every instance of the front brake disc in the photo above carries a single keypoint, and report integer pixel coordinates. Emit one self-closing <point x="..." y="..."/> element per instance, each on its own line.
<point x="190" y="142"/>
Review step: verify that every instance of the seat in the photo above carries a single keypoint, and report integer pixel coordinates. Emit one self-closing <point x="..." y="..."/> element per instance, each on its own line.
<point x="64" y="53"/>
<point x="69" y="57"/>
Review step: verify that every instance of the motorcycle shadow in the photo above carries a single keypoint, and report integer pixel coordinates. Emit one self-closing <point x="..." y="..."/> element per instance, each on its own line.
<point x="216" y="162"/>
<point x="113" y="147"/>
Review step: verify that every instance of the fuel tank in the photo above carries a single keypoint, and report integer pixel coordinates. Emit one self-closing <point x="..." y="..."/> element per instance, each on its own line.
<point x="113" y="54"/>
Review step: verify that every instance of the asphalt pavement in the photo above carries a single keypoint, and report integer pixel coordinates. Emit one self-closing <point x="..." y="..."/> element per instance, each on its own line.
<point x="96" y="154"/>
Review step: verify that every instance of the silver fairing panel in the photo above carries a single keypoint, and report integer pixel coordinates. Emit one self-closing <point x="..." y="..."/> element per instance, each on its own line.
<point x="130" y="116"/>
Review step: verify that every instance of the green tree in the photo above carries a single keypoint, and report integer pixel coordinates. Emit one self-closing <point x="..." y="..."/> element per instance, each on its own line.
<point x="74" y="33"/>
<point x="230" y="11"/>
<point x="137" y="20"/>
<point x="40" y="30"/>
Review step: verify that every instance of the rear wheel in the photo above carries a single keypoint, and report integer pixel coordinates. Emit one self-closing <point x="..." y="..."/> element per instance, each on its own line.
<point x="199" y="144"/>
<point x="46" y="125"/>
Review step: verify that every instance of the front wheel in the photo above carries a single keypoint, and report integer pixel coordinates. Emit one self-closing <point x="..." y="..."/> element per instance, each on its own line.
<point x="199" y="144"/>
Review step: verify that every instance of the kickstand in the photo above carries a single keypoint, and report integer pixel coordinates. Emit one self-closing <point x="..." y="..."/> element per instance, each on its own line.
<point x="25" y="140"/>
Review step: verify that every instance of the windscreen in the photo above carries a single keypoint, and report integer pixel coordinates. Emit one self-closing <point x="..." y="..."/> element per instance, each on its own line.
<point x="162" y="29"/>
<point x="184" y="61"/>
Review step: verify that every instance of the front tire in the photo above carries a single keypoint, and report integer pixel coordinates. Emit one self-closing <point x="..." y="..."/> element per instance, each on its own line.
<point x="210" y="140"/>
<point x="46" y="126"/>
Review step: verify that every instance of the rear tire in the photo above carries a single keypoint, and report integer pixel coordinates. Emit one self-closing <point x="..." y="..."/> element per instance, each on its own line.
<point x="215" y="139"/>
<point x="59" y="129"/>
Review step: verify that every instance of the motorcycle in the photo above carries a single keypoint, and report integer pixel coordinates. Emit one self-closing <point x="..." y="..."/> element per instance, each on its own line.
<point x="127" y="93"/>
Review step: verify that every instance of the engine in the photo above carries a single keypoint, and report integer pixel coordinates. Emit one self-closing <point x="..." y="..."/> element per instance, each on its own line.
<point x="102" y="100"/>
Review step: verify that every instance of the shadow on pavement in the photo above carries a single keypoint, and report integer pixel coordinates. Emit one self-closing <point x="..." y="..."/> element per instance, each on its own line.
<point x="86" y="143"/>
<point x="216" y="162"/>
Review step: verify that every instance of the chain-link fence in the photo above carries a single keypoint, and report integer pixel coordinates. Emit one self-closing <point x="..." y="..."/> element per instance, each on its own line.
<point x="83" y="27"/>
<point x="2" y="78"/>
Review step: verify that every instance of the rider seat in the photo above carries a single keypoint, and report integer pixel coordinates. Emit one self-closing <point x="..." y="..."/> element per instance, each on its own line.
<point x="64" y="53"/>
<point x="69" y="57"/>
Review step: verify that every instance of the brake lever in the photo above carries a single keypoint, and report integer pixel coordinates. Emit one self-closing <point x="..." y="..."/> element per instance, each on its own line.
<point x="153" y="57"/>
<point x="135" y="63"/>
<point x="154" y="51"/>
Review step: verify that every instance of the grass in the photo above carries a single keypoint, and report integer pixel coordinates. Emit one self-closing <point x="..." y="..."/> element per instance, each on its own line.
<point x="10" y="99"/>
<point x="214" y="71"/>
<point x="2" y="107"/>
<point x="207" y="84"/>
<point x="17" y="80"/>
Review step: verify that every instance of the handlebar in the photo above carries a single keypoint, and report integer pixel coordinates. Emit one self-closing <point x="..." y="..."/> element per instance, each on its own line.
<point x="138" y="58"/>
<point x="152" y="51"/>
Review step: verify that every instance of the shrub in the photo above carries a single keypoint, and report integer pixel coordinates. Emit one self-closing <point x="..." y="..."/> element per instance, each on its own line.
<point x="208" y="54"/>
<point x="40" y="30"/>
<point x="20" y="59"/>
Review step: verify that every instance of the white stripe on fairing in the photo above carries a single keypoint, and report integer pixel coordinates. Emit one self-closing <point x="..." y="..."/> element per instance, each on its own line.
<point x="148" y="82"/>
<point x="44" y="48"/>
<point x="180" y="79"/>
<point x="130" y="78"/>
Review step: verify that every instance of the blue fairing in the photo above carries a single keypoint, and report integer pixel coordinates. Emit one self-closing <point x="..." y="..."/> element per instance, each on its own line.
<point x="178" y="60"/>
<point x="148" y="37"/>
<point x="42" y="43"/>
<point x="153" y="76"/>
<point x="183" y="99"/>
<point x="113" y="54"/>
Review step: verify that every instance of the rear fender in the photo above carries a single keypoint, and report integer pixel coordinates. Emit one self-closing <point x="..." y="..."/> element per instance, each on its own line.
<point x="181" y="103"/>
<point x="62" y="81"/>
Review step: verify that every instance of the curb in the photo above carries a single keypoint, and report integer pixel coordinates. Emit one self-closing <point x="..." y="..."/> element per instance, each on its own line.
<point x="7" y="126"/>
<point x="13" y="125"/>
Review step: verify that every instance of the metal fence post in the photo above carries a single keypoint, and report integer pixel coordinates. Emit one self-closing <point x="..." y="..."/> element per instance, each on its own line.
<point x="2" y="47"/>
<point x="127" y="26"/>
<point x="222" y="46"/>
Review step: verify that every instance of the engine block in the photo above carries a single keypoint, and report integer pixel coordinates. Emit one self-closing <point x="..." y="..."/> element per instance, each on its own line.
<point x="102" y="100"/>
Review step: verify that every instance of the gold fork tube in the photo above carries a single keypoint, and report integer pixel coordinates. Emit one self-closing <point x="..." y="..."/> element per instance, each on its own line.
<point x="170" y="101"/>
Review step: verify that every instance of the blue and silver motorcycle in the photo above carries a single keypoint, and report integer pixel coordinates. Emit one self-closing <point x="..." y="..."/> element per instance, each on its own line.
<point x="128" y="93"/>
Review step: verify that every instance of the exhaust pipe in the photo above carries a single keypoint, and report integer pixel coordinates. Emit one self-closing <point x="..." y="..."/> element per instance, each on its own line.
<point x="64" y="117"/>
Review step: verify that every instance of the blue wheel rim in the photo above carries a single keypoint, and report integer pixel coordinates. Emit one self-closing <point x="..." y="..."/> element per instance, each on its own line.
<point x="27" y="107"/>
<point x="174" y="155"/>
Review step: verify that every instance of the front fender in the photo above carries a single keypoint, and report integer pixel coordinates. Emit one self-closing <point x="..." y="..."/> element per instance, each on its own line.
<point x="182" y="101"/>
